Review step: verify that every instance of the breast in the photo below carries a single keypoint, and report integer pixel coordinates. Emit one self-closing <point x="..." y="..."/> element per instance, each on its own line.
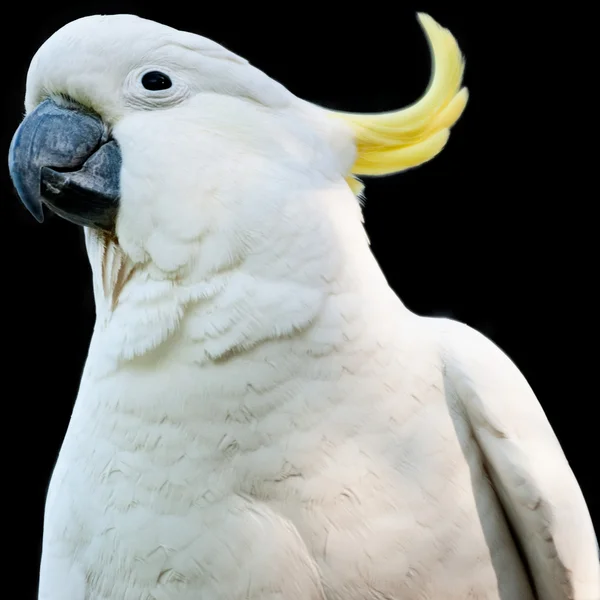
<point x="356" y="465"/>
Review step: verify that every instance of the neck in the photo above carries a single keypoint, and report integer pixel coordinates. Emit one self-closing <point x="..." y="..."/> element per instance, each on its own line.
<point x="245" y="288"/>
<point x="226" y="357"/>
<point x="312" y="287"/>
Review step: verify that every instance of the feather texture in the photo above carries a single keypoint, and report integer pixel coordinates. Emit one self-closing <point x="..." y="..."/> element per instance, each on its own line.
<point x="260" y="418"/>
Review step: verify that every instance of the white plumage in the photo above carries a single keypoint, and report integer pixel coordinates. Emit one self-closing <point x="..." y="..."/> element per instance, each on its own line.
<point x="260" y="418"/>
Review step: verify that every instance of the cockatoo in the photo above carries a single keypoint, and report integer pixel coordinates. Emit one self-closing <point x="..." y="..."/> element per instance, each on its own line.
<point x="260" y="417"/>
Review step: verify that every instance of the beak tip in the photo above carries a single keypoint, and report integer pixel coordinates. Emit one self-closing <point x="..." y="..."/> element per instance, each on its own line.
<point x="32" y="202"/>
<point x="38" y="215"/>
<point x="34" y="208"/>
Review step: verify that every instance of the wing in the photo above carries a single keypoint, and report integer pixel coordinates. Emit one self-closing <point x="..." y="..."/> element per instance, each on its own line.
<point x="527" y="466"/>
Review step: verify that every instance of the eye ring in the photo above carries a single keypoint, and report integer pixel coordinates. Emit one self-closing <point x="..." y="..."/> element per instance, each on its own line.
<point x="156" y="81"/>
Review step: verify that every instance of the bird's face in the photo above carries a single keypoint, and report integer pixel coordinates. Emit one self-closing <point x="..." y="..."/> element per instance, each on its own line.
<point x="162" y="137"/>
<point x="188" y="155"/>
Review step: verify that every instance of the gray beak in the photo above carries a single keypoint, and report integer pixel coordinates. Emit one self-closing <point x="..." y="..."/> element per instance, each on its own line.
<point x="62" y="157"/>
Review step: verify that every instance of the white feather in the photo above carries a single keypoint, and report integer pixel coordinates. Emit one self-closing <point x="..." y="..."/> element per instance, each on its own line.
<point x="259" y="417"/>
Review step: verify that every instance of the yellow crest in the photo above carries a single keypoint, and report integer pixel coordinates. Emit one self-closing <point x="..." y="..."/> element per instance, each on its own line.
<point x="394" y="141"/>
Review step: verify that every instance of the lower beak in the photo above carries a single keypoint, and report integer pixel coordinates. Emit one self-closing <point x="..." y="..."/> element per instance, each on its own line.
<point x="62" y="157"/>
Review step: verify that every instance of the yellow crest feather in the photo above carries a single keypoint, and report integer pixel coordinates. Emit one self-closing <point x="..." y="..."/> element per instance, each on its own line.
<point x="394" y="141"/>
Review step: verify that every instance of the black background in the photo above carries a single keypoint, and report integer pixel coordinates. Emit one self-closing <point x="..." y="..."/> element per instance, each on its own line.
<point x="484" y="233"/>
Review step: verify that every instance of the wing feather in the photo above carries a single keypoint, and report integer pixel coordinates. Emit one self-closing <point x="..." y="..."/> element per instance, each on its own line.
<point x="528" y="468"/>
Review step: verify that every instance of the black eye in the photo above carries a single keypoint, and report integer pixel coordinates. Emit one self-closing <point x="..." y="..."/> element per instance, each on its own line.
<point x="155" y="80"/>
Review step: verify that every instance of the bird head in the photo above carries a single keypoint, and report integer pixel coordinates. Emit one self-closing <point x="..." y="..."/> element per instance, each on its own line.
<point x="188" y="157"/>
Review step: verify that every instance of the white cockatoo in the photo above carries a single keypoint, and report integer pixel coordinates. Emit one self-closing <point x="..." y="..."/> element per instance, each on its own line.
<point x="260" y="418"/>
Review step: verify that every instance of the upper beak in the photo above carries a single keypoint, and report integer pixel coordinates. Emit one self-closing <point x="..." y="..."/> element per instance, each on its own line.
<point x="63" y="157"/>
